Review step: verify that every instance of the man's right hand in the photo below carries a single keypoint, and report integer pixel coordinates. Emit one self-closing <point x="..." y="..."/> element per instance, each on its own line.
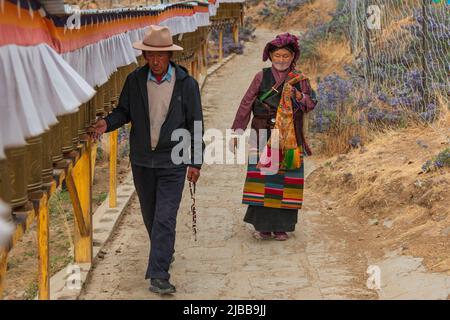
<point x="98" y="129"/>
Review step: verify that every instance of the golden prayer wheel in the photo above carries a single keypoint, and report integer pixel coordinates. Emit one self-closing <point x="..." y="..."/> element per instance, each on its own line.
<point x="47" y="164"/>
<point x="5" y="182"/>
<point x="141" y="60"/>
<point x="99" y="105"/>
<point x="93" y="109"/>
<point x="107" y="97"/>
<point x="113" y="90"/>
<point x="34" y="166"/>
<point x="16" y="164"/>
<point x="56" y="141"/>
<point x="110" y="95"/>
<point x="131" y="68"/>
<point x="111" y="87"/>
<point x="82" y="122"/>
<point x="89" y="114"/>
<point x="74" y="129"/>
<point x="126" y="71"/>
<point x="123" y="77"/>
<point x="119" y="83"/>
<point x="67" y="144"/>
<point x="117" y="88"/>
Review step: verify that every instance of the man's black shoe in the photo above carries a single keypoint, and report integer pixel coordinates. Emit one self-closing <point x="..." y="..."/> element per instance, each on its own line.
<point x="161" y="286"/>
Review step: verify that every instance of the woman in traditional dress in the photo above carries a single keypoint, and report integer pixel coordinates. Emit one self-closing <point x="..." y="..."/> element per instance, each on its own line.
<point x="278" y="97"/>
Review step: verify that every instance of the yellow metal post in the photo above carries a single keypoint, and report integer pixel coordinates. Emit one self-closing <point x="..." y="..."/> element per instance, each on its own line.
<point x="76" y="203"/>
<point x="236" y="34"/>
<point x="194" y="68"/>
<point x="220" y="45"/>
<point x="3" y="262"/>
<point x="94" y="147"/>
<point x="43" y="242"/>
<point x="113" y="169"/>
<point x="199" y="64"/>
<point x="82" y="181"/>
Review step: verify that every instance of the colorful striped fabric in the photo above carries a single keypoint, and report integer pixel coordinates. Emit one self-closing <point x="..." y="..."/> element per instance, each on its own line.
<point x="283" y="190"/>
<point x="22" y="25"/>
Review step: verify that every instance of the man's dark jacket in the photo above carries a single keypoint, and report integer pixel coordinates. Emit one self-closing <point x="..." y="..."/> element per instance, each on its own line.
<point x="185" y="108"/>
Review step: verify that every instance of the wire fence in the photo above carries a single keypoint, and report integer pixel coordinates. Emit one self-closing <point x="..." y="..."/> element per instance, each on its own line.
<point x="403" y="47"/>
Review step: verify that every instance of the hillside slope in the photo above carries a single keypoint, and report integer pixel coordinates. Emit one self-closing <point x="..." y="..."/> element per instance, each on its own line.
<point x="381" y="190"/>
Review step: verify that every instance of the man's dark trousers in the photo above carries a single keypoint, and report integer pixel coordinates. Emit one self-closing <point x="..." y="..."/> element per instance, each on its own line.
<point x="159" y="191"/>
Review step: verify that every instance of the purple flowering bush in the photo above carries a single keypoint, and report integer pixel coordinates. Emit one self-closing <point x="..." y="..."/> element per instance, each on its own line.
<point x="438" y="162"/>
<point x="338" y="28"/>
<point x="339" y="114"/>
<point x="291" y="5"/>
<point x="275" y="11"/>
<point x="334" y="95"/>
<point x="229" y="46"/>
<point x="247" y="32"/>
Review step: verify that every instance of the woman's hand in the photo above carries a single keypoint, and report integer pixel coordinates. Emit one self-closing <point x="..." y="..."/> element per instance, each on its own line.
<point x="298" y="97"/>
<point x="298" y="94"/>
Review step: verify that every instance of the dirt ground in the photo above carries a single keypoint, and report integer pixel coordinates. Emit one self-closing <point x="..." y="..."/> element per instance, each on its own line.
<point x="383" y="190"/>
<point x="321" y="260"/>
<point x="308" y="15"/>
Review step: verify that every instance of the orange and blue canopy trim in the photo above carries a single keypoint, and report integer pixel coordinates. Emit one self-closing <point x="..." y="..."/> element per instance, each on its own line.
<point x="27" y="23"/>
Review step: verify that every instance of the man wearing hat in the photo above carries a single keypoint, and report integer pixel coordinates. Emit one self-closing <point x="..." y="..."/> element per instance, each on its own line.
<point x="158" y="99"/>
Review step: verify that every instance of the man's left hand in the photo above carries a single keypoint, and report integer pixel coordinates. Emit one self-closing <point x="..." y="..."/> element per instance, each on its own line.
<point x="193" y="174"/>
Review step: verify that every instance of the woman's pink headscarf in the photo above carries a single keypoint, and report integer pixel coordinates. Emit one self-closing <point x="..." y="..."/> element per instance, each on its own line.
<point x="281" y="41"/>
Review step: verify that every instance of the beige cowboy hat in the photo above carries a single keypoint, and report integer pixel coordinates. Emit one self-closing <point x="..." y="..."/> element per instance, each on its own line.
<point x="157" y="38"/>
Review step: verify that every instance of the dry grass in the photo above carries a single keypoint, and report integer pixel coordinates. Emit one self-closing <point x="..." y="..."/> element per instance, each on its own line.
<point x="384" y="182"/>
<point x="299" y="20"/>
<point x="442" y="125"/>
<point x="309" y="14"/>
<point x="394" y="33"/>
<point x="344" y="127"/>
<point x="332" y="56"/>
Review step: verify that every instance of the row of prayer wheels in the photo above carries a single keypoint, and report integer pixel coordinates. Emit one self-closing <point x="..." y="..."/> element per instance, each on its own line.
<point x="228" y="11"/>
<point x="27" y="170"/>
<point x="191" y="42"/>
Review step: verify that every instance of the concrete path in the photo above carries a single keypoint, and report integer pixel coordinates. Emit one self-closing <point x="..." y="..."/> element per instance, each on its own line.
<point x="319" y="260"/>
